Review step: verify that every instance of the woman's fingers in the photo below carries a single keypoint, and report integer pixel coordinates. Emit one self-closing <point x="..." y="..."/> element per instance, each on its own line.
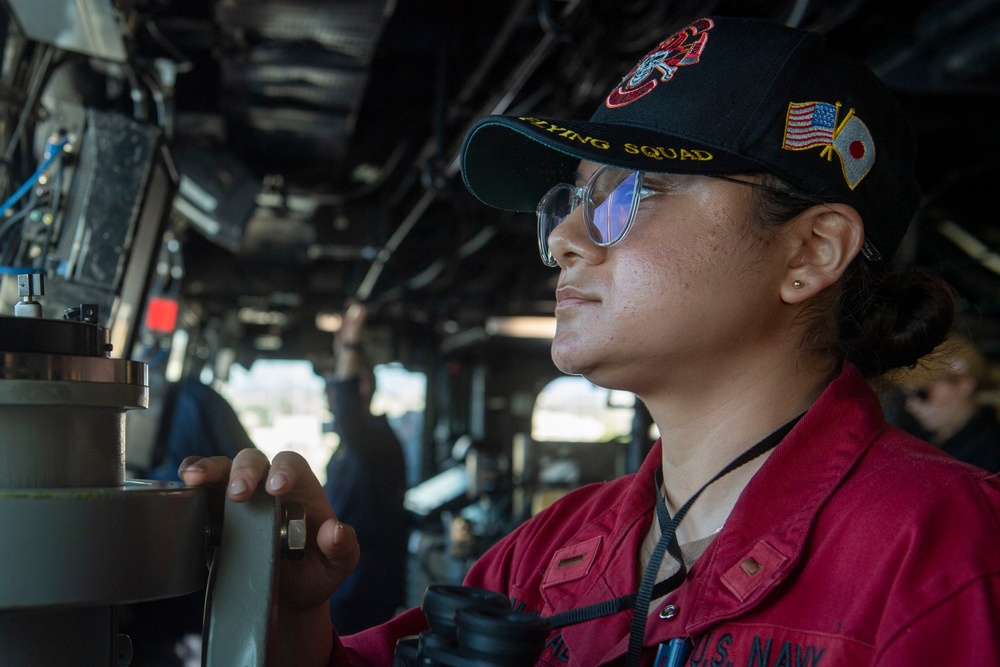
<point x="339" y="553"/>
<point x="287" y="473"/>
<point x="310" y="582"/>
<point x="333" y="549"/>
<point x="290" y="473"/>
<point x="339" y="543"/>
<point x="200" y="471"/>
<point x="249" y="467"/>
<point x="240" y="476"/>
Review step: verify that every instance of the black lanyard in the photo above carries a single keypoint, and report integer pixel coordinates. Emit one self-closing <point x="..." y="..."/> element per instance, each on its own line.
<point x="648" y="588"/>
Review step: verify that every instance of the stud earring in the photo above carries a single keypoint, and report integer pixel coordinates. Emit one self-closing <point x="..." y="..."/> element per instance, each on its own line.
<point x="797" y="284"/>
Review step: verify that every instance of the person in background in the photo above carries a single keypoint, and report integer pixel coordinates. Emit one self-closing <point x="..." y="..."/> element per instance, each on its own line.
<point x="196" y="421"/>
<point x="942" y="394"/>
<point x="365" y="484"/>
<point x="723" y="228"/>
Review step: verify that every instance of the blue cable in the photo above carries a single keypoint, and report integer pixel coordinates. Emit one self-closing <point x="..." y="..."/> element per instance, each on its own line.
<point x="17" y="270"/>
<point x="52" y="151"/>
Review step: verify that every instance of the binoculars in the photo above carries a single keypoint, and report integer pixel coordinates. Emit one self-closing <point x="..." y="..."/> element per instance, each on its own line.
<point x="472" y="627"/>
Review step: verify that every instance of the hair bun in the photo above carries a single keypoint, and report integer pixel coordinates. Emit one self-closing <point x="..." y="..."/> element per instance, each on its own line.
<point x="907" y="316"/>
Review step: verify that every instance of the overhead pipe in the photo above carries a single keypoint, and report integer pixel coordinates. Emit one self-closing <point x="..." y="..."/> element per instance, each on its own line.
<point x="493" y="53"/>
<point x="974" y="248"/>
<point x="497" y="105"/>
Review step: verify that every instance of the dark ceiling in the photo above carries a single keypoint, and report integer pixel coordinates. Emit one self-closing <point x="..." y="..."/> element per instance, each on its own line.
<point x="348" y="116"/>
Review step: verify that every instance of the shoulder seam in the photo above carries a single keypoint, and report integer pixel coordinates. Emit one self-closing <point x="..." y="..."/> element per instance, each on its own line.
<point x="904" y="628"/>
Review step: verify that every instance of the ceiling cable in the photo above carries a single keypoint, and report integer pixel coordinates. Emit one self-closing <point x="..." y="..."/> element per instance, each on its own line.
<point x="970" y="245"/>
<point x="497" y="105"/>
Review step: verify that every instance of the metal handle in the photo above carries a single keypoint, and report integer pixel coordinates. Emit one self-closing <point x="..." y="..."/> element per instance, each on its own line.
<point x="243" y="580"/>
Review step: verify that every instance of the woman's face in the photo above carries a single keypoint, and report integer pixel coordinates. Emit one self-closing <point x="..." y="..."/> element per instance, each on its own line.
<point x="941" y="407"/>
<point x="687" y="292"/>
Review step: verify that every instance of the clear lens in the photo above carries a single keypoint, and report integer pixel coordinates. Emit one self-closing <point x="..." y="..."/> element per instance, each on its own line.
<point x="609" y="200"/>
<point x="555" y="206"/>
<point x="612" y="205"/>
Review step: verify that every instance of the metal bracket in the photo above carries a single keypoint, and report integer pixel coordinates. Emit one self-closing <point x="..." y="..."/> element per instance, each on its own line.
<point x="243" y="580"/>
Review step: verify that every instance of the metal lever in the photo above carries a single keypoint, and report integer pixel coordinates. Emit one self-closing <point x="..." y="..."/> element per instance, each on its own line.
<point x="243" y="581"/>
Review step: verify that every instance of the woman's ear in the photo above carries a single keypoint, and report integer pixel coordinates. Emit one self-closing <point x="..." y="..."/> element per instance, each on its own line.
<point x="827" y="239"/>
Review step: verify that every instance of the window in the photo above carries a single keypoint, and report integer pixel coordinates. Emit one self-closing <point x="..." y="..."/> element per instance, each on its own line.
<point x="282" y="405"/>
<point x="401" y="396"/>
<point x="572" y="409"/>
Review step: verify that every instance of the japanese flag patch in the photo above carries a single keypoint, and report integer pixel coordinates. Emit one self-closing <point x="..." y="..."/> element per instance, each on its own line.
<point x="853" y="143"/>
<point x="810" y="124"/>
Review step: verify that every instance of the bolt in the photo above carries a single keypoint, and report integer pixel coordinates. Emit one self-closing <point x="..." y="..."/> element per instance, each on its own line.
<point x="293" y="531"/>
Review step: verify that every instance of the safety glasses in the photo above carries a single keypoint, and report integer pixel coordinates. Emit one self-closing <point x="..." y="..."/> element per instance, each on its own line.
<point x="610" y="199"/>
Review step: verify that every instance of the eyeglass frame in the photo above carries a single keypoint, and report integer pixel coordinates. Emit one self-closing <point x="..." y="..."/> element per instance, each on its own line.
<point x="868" y="251"/>
<point x="584" y="195"/>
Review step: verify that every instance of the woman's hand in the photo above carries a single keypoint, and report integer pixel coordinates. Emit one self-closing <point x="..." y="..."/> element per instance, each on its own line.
<point x="353" y="322"/>
<point x="332" y="549"/>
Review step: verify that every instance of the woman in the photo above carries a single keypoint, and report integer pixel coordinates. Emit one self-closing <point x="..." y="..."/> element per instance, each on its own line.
<point x="942" y="395"/>
<point x="715" y="264"/>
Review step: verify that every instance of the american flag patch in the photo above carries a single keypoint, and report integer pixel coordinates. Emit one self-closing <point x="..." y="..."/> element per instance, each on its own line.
<point x="809" y="124"/>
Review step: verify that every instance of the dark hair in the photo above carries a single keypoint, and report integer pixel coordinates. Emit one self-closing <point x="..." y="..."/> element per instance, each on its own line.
<point x="875" y="317"/>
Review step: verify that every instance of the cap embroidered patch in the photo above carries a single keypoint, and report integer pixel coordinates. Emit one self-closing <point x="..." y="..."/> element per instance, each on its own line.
<point x="856" y="148"/>
<point x="811" y="124"/>
<point x="684" y="47"/>
<point x="725" y="95"/>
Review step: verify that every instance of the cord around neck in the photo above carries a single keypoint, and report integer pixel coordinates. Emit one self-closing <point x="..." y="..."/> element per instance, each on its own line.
<point x="632" y="601"/>
<point x="668" y="541"/>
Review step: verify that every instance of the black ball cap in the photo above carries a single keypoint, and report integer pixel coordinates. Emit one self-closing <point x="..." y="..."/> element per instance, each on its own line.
<point x="723" y="96"/>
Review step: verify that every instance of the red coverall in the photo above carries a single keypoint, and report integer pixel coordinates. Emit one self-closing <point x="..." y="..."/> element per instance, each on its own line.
<point x="855" y="544"/>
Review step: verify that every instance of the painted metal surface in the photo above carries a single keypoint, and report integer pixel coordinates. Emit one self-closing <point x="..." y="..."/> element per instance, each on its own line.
<point x="141" y="541"/>
<point x="243" y="584"/>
